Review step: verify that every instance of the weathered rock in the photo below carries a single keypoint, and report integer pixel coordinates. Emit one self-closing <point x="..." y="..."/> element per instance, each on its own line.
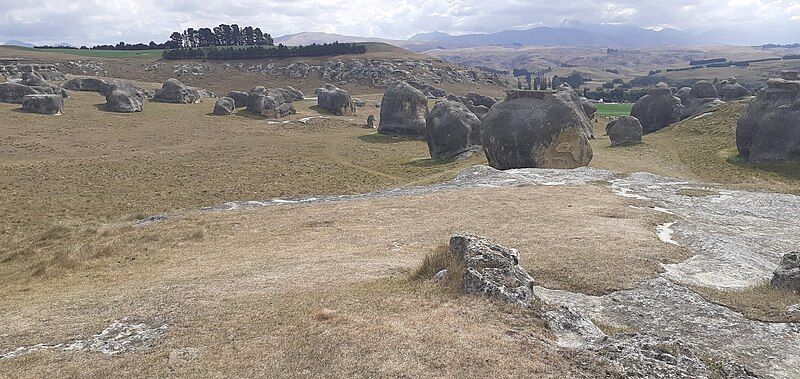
<point x="536" y="129"/>
<point x="239" y="98"/>
<point x="730" y="90"/>
<point x="769" y="128"/>
<point x="34" y="80"/>
<point x="626" y="130"/>
<point x="683" y="94"/>
<point x="273" y="109"/>
<point x="43" y="104"/>
<point x="173" y="91"/>
<point x="335" y="100"/>
<point x="124" y="101"/>
<point x="224" y="106"/>
<point x="403" y="110"/>
<point x="703" y="89"/>
<point x="15" y="92"/>
<point x="787" y="275"/>
<point x="371" y="121"/>
<point x="434" y="92"/>
<point x="451" y="129"/>
<point x="256" y="98"/>
<point x="588" y="108"/>
<point x="479" y="99"/>
<point x="657" y="109"/>
<point x="492" y="270"/>
<point x="297" y="70"/>
<point x="87" y="84"/>
<point x="703" y="98"/>
<point x="790" y="75"/>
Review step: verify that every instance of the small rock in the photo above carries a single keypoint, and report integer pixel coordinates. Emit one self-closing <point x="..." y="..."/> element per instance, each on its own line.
<point x="787" y="275"/>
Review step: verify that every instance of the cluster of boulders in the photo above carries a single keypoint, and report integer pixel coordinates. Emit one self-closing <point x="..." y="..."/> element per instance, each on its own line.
<point x="16" y="70"/>
<point x="268" y="102"/>
<point x="34" y="93"/>
<point x="769" y="128"/>
<point x="335" y="100"/>
<point x="173" y="91"/>
<point x="121" y="97"/>
<point x="662" y="106"/>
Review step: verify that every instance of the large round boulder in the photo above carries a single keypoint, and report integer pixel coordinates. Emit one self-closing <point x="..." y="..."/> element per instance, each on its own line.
<point x="536" y="129"/>
<point x="683" y="94"/>
<point x="43" y="104"/>
<point x="730" y="90"/>
<point x="224" y="106"/>
<point x="703" y="98"/>
<point x="124" y="101"/>
<point x="703" y="89"/>
<point x="451" y="129"/>
<point x="173" y="91"/>
<point x="335" y="100"/>
<point x="626" y="130"/>
<point x="658" y="109"/>
<point x="769" y="128"/>
<point x="403" y="110"/>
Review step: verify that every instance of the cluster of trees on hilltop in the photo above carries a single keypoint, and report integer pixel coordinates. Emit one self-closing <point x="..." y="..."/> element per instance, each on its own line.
<point x="222" y="35"/>
<point x="251" y="52"/>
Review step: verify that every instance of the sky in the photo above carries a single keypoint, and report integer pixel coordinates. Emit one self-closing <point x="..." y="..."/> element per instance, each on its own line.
<point x="109" y="21"/>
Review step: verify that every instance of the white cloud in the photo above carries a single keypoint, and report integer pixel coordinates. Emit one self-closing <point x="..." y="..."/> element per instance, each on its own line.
<point x="110" y="21"/>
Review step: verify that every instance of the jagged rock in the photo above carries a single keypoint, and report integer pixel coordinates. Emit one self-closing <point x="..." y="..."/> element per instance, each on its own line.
<point x="43" y="104"/>
<point x="429" y="91"/>
<point x="256" y="98"/>
<point x="658" y="109"/>
<point x="403" y="110"/>
<point x="787" y="275"/>
<point x="769" y="128"/>
<point x="124" y="100"/>
<point x="173" y="91"/>
<point x="224" y="106"/>
<point x="270" y="102"/>
<point x="239" y="98"/>
<point x="479" y="99"/>
<point x="451" y="129"/>
<point x="625" y="130"/>
<point x="730" y="90"/>
<point x="588" y="108"/>
<point x="492" y="270"/>
<point x="335" y="100"/>
<point x="536" y="129"/>
<point x="87" y="84"/>
<point x="297" y="70"/>
<point x="273" y="109"/>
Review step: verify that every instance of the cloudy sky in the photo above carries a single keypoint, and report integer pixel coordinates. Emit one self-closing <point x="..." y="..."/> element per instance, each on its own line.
<point x="110" y="21"/>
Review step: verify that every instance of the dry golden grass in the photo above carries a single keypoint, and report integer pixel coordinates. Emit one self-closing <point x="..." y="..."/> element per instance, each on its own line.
<point x="703" y="149"/>
<point x="762" y="302"/>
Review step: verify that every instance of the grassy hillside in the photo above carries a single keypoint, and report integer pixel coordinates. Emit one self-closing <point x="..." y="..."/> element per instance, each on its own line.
<point x="702" y="149"/>
<point x="107" y="53"/>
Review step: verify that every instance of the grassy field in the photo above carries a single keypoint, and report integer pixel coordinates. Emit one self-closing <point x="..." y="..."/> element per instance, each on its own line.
<point x="614" y="109"/>
<point x="107" y="53"/>
<point x="702" y="149"/>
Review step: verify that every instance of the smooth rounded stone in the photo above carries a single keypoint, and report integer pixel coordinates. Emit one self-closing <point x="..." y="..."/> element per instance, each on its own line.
<point x="536" y="129"/>
<point x="703" y="89"/>
<point x="787" y="275"/>
<point x="335" y="100"/>
<point x="479" y="99"/>
<point x="658" y="109"/>
<point x="124" y="101"/>
<point x="173" y="91"/>
<point x="626" y="130"/>
<point x="87" y="84"/>
<point x="588" y="108"/>
<point x="43" y="104"/>
<point x="730" y="90"/>
<point x="683" y="94"/>
<point x="224" y="106"/>
<point x="371" y="121"/>
<point x="403" y="110"/>
<point x="451" y="129"/>
<point x="769" y="128"/>
<point x="239" y="98"/>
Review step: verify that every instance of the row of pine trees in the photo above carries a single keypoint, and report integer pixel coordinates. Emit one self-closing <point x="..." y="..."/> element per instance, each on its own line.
<point x="222" y="35"/>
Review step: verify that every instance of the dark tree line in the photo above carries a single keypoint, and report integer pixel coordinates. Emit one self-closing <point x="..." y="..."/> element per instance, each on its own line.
<point x="251" y="52"/>
<point x="223" y="35"/>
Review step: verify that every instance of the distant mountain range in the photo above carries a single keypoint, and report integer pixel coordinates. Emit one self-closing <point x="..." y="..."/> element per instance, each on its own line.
<point x="570" y="33"/>
<point x="14" y="42"/>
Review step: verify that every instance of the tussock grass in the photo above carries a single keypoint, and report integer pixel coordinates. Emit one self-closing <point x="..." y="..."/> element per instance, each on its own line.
<point x="762" y="302"/>
<point x="442" y="259"/>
